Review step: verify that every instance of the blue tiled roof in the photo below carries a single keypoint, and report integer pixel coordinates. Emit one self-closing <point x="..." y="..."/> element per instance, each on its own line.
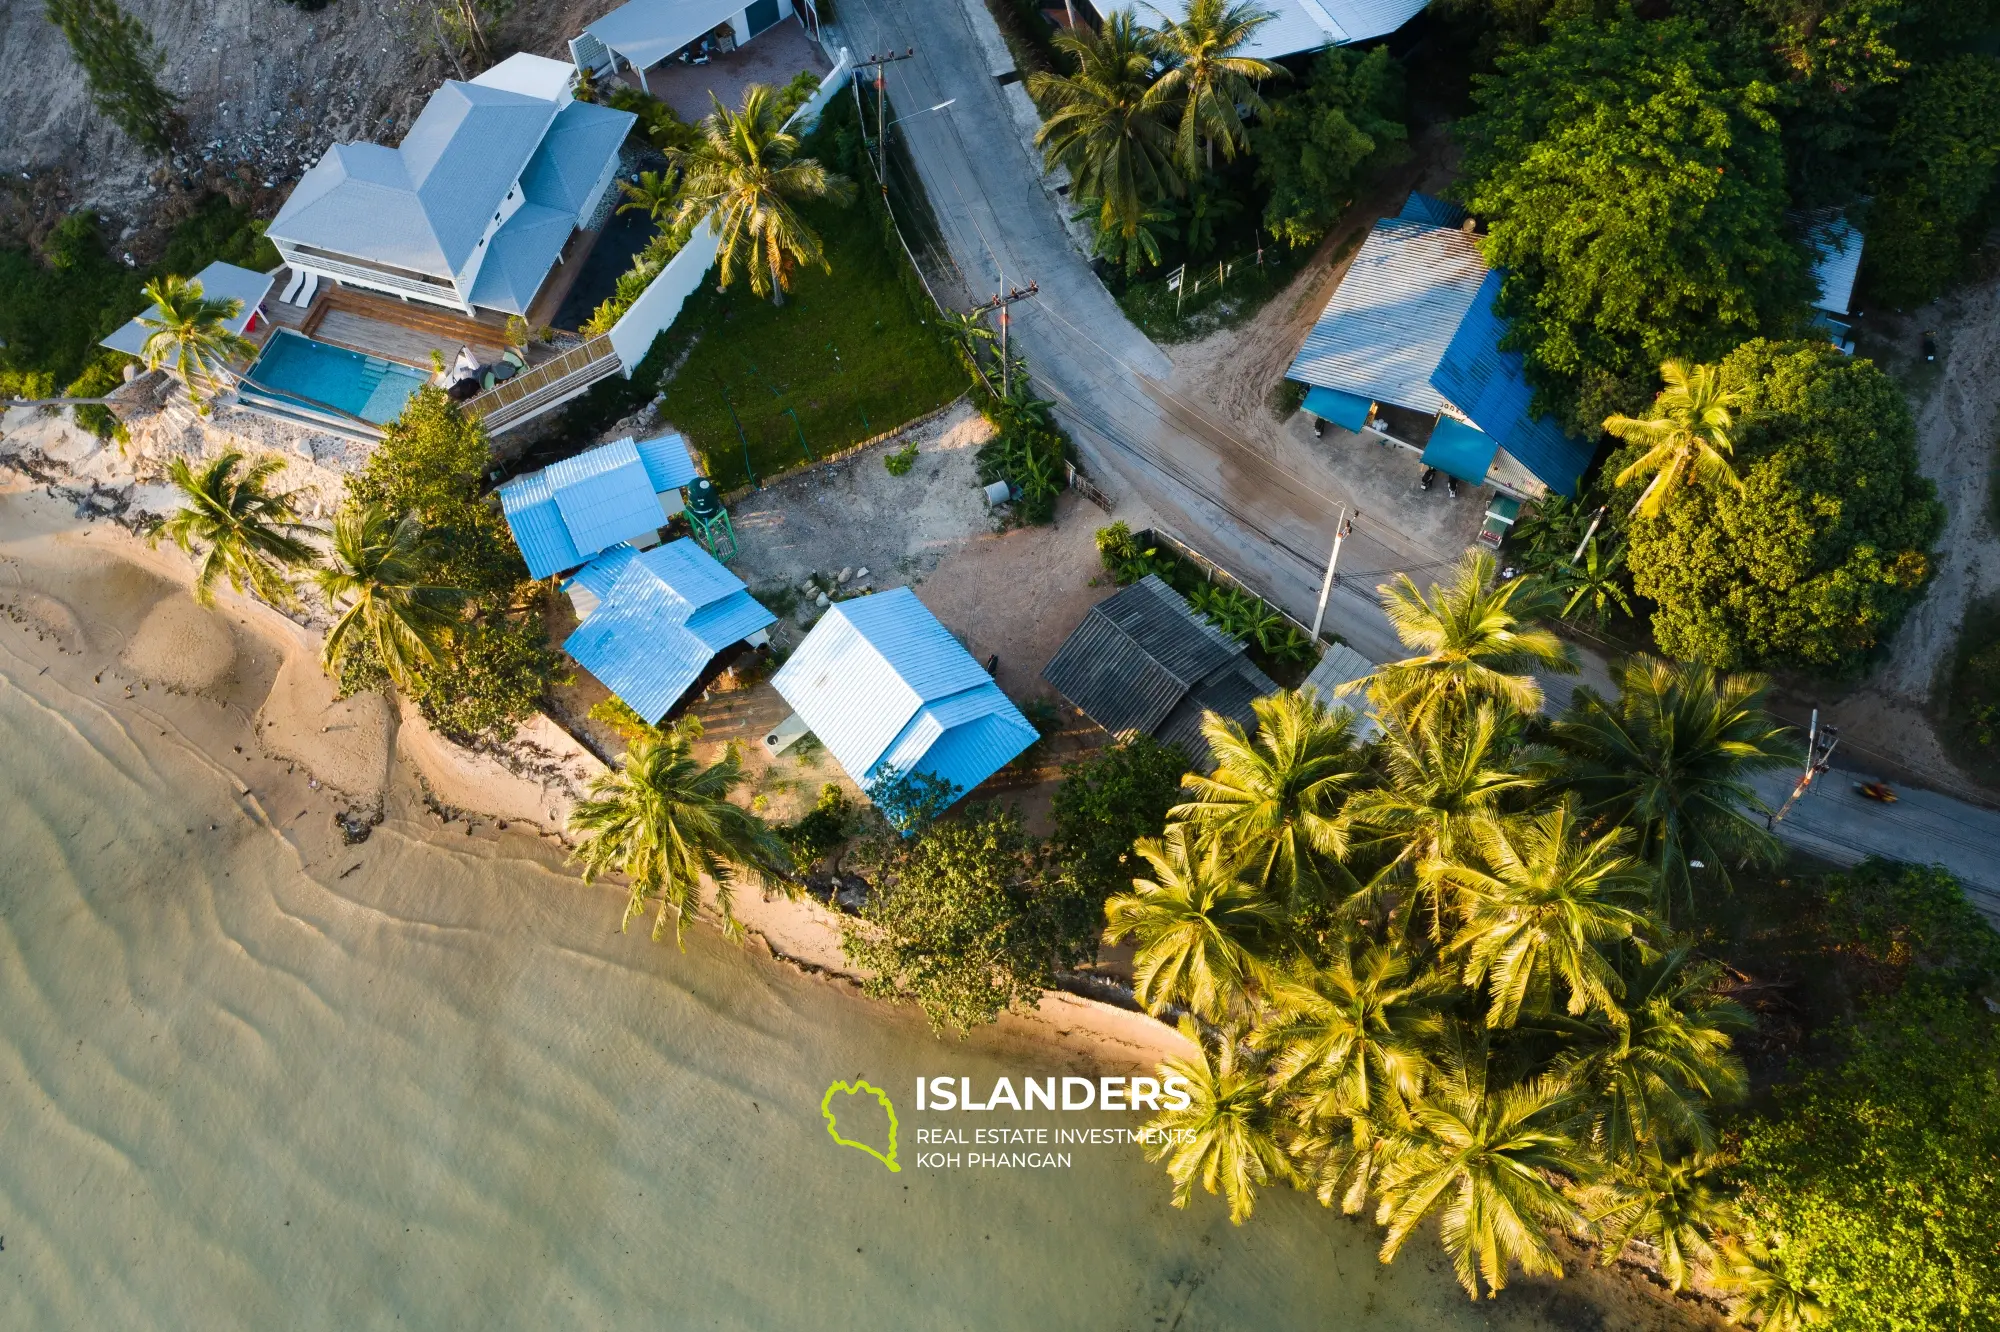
<point x="1421" y="207"/>
<point x="660" y="623"/>
<point x="570" y="510"/>
<point x="882" y="683"/>
<point x="668" y="462"/>
<point x="1490" y="386"/>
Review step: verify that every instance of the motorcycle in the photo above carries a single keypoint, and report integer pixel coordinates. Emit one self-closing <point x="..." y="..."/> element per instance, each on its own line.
<point x="1424" y="481"/>
<point x="1879" y="792"/>
<point x="1319" y="428"/>
<point x="1451" y="486"/>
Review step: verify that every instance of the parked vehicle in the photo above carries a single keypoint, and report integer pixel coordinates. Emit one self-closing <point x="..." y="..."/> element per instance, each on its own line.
<point x="1930" y="345"/>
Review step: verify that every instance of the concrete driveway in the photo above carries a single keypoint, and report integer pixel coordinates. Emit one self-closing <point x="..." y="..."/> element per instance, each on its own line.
<point x="1247" y="504"/>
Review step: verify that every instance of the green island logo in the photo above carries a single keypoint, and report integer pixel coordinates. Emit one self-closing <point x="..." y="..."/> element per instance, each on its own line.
<point x="860" y="1088"/>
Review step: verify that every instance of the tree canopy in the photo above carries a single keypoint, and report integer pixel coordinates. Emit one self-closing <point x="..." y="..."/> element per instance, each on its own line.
<point x="1826" y="546"/>
<point x="1633" y="185"/>
<point x="1315" y="146"/>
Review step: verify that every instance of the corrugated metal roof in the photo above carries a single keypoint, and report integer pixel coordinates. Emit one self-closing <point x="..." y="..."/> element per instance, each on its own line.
<point x="1135" y="657"/>
<point x="881" y="670"/>
<point x="668" y="463"/>
<point x="1360" y="20"/>
<point x="1431" y="210"/>
<point x="1835" y="245"/>
<point x="1490" y="386"/>
<point x="1307" y="25"/>
<point x="605" y="496"/>
<point x="661" y="622"/>
<point x="1229" y="692"/>
<point x="1393" y="315"/>
<point x="219" y="282"/>
<point x="646" y="32"/>
<point x="529" y="502"/>
<point x="1343" y="665"/>
<point x="599" y="576"/>
<point x="1460" y="450"/>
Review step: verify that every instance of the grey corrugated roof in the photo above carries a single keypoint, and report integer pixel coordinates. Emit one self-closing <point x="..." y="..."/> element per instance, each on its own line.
<point x="424" y="205"/>
<point x="219" y="282"/>
<point x="646" y="32"/>
<point x="1296" y="26"/>
<point x="581" y="142"/>
<point x="1390" y="320"/>
<point x="1136" y="656"/>
<point x="520" y="256"/>
<point x="1229" y="691"/>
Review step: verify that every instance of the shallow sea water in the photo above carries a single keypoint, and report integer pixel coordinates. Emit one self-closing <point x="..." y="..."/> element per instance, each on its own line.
<point x="252" y="1079"/>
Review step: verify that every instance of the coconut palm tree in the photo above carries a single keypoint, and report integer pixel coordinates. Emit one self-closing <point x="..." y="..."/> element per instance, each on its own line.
<point x="1349" y="1038"/>
<point x="665" y="821"/>
<point x="1444" y="777"/>
<point x="1673" y="758"/>
<point x="657" y="194"/>
<point x="1135" y="250"/>
<point x="1647" y="1072"/>
<point x="1474" y="638"/>
<point x="1485" y="1159"/>
<point x="1198" y="925"/>
<point x="1213" y="84"/>
<point x="1543" y="900"/>
<point x="379" y="569"/>
<point x="1223" y="1140"/>
<point x="1676" y="1204"/>
<point x="1762" y="1273"/>
<point x="190" y="336"/>
<point x="1685" y="435"/>
<point x="743" y="177"/>
<point x="1108" y="122"/>
<point x="251" y="534"/>
<point x="1276" y="800"/>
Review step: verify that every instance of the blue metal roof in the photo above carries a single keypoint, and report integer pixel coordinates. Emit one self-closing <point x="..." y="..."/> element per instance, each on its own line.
<point x="572" y="157"/>
<point x="882" y="683"/>
<point x="1421" y="207"/>
<point x="520" y="255"/>
<point x="1460" y="450"/>
<point x="1490" y="386"/>
<point x="660" y="623"/>
<point x="570" y="510"/>
<point x="668" y="462"/>
<point x="1349" y="411"/>
<point x="601" y="574"/>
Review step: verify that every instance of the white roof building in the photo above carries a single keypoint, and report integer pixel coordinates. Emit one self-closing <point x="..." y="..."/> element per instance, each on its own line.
<point x="1309" y="25"/>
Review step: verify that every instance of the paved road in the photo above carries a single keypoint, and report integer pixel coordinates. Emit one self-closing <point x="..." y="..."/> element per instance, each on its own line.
<point x="1198" y="476"/>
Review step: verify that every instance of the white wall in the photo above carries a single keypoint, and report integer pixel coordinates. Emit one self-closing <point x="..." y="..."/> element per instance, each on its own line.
<point x="807" y="116"/>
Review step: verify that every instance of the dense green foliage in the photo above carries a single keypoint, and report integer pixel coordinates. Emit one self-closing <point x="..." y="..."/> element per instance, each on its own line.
<point x="1883" y="1167"/>
<point x="120" y="64"/>
<point x="1632" y="182"/>
<point x="1107" y="802"/>
<point x="1319" y="143"/>
<point x="433" y="463"/>
<point x="1972" y="703"/>
<point x="963" y="923"/>
<point x="1827" y="544"/>
<point x="1947" y="146"/>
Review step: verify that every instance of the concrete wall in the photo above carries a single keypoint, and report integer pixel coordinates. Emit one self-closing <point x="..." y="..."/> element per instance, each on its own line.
<point x="808" y="115"/>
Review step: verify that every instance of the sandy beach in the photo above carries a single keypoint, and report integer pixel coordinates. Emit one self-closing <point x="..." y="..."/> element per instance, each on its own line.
<point x="255" y="1075"/>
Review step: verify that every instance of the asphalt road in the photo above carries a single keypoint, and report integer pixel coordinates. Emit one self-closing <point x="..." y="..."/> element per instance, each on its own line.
<point x="1199" y="477"/>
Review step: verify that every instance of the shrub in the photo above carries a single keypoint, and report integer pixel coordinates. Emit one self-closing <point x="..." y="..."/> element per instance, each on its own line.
<point x="120" y="65"/>
<point x="1318" y="144"/>
<point x="901" y="461"/>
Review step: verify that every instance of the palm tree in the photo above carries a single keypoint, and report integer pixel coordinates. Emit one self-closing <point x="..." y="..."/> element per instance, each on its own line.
<point x="1137" y="249"/>
<point x="1108" y="122"/>
<point x="1277" y="800"/>
<point x="969" y="329"/>
<point x="1348" y="1039"/>
<point x="1599" y="582"/>
<point x="378" y="567"/>
<point x="1444" y="777"/>
<point x="1674" y="1204"/>
<point x="1475" y="638"/>
<point x="743" y="178"/>
<point x="1686" y="435"/>
<point x="1543" y="904"/>
<point x="1760" y="1272"/>
<point x="1196" y="922"/>
<point x="1648" y="1071"/>
<point x="1223" y="1140"/>
<point x="1673" y="758"/>
<point x="657" y="194"/>
<point x="1209" y="80"/>
<point x="666" y="821"/>
<point x="1486" y="1158"/>
<point x="249" y="531"/>
<point x="190" y="335"/>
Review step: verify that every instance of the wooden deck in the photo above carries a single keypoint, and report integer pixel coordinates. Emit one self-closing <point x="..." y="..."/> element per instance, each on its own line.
<point x="405" y="331"/>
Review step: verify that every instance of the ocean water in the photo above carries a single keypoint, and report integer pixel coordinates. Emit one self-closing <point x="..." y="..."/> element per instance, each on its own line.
<point x="252" y="1078"/>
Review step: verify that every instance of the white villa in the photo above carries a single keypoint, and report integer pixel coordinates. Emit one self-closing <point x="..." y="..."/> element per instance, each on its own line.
<point x="472" y="211"/>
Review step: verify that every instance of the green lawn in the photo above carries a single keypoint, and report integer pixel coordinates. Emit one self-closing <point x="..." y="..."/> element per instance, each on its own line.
<point x="846" y="357"/>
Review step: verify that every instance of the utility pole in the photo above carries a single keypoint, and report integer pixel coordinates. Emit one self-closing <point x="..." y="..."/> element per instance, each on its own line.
<point x="1819" y="750"/>
<point x="1595" y="519"/>
<point x="1000" y="303"/>
<point x="1340" y="534"/>
<point x="880" y="64"/>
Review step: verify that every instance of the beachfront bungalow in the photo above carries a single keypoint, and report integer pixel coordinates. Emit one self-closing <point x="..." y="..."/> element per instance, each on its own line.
<point x="568" y="512"/>
<point x="658" y="620"/>
<point x="1296" y="27"/>
<point x="1144" y="661"/>
<point x="1408" y="348"/>
<point x="884" y="685"/>
<point x="473" y="210"/>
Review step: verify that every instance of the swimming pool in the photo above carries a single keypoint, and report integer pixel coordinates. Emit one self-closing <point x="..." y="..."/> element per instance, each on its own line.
<point x="318" y="372"/>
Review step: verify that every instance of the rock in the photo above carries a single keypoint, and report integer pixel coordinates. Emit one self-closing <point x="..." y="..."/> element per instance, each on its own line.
<point x="845" y="574"/>
<point x="823" y="600"/>
<point x="862" y="572"/>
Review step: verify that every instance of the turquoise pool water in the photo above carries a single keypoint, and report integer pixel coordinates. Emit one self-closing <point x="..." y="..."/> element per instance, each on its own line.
<point x="364" y="386"/>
